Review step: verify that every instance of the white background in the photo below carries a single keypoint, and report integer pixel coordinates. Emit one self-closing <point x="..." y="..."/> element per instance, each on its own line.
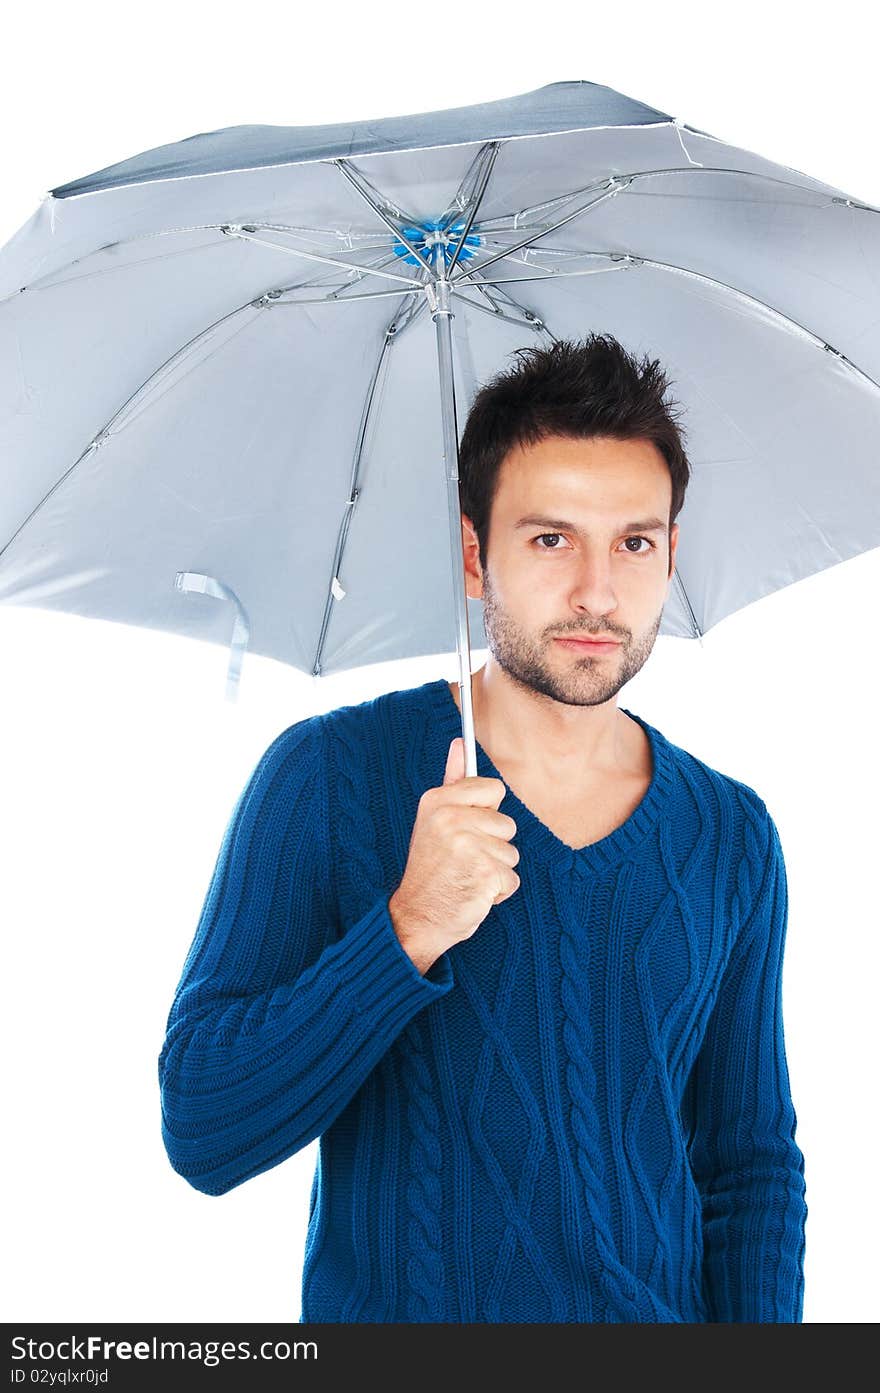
<point x="121" y="760"/>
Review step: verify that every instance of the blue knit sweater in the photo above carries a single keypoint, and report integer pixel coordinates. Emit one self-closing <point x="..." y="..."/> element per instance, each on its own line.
<point x="580" y="1113"/>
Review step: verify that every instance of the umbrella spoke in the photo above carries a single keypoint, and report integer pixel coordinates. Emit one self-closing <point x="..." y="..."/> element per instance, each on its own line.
<point x="620" y="262"/>
<point x="337" y="291"/>
<point x="354" y="242"/>
<point x="515" y="222"/>
<point x="269" y="300"/>
<point x="612" y="187"/>
<point x="530" y="252"/>
<point x="470" y="190"/>
<point x="48" y="283"/>
<point x="140" y="392"/>
<point x="340" y="292"/>
<point x="237" y="230"/>
<point x="325" y="279"/>
<point x="490" y="226"/>
<point x="386" y="211"/>
<point x="679" y="584"/>
<point x="474" y="202"/>
<point x="615" y="184"/>
<point x="378" y="202"/>
<point x="340" y="295"/>
<point x="525" y="316"/>
<point x="339" y="238"/>
<point x="624" y="260"/>
<point x="464" y="198"/>
<point x="562" y="253"/>
<point x="440" y="239"/>
<point x="512" y="222"/>
<point x="393" y="330"/>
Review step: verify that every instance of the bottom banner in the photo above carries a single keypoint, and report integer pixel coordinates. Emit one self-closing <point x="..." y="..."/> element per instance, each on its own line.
<point x="128" y="1356"/>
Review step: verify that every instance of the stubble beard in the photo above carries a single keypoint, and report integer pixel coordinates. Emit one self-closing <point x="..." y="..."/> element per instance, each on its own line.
<point x="590" y="680"/>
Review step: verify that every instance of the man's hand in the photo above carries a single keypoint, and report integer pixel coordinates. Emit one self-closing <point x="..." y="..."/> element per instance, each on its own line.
<point x="459" y="863"/>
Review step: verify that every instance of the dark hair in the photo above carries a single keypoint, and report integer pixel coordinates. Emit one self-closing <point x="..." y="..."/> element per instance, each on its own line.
<point x="575" y="389"/>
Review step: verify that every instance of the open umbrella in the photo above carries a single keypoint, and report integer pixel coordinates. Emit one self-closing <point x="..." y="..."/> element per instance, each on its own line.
<point x="222" y="361"/>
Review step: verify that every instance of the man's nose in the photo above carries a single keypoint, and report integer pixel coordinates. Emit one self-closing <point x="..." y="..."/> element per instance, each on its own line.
<point x="593" y="587"/>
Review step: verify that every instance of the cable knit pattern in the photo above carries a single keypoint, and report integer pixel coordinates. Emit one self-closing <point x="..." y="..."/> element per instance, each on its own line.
<point x="622" y="1289"/>
<point x="580" y="1113"/>
<point x="424" y="1189"/>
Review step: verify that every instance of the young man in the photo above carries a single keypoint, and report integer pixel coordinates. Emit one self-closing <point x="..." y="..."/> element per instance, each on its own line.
<point x="534" y="1016"/>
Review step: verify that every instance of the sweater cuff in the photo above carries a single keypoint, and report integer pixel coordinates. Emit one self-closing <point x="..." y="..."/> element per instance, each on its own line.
<point x="381" y="972"/>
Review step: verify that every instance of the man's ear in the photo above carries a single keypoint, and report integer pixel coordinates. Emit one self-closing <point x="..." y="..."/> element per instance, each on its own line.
<point x="473" y="575"/>
<point x="673" y="543"/>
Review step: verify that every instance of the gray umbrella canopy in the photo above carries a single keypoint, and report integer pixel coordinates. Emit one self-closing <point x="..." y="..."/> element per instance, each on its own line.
<point x="221" y="365"/>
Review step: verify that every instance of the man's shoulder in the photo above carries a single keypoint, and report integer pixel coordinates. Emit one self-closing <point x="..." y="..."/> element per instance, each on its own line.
<point x="351" y="735"/>
<point x="706" y="781"/>
<point x="732" y="815"/>
<point x="299" y="747"/>
<point x="373" y="717"/>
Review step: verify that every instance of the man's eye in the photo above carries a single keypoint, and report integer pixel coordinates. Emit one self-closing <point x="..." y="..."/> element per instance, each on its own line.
<point x="651" y="545"/>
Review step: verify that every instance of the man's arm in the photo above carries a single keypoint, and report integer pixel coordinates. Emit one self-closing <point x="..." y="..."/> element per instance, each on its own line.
<point x="279" y="1017"/>
<point x="741" y="1121"/>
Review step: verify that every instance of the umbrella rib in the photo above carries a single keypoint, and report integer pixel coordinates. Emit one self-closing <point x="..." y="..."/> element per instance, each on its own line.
<point x="530" y="265"/>
<point x="38" y="284"/>
<point x="626" y="259"/>
<point x="698" y="632"/>
<point x="361" y="183"/>
<point x="514" y="218"/>
<point x="236" y="230"/>
<point x="337" y="294"/>
<point x="377" y="207"/>
<point x="615" y="184"/>
<point x="475" y="202"/>
<point x="177" y="232"/>
<point x="335" y="591"/>
<point x="271" y="300"/>
<point x="532" y="320"/>
<point x="563" y="253"/>
<point x="260" y="302"/>
<point x="496" y="313"/>
<point x="511" y="218"/>
<point x="319" y="280"/>
<point x="612" y="186"/>
<point x="464" y="199"/>
<point x="618" y="260"/>
<point x="105" y="430"/>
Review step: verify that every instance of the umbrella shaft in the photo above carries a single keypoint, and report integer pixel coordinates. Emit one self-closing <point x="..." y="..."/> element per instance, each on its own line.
<point x="442" y="316"/>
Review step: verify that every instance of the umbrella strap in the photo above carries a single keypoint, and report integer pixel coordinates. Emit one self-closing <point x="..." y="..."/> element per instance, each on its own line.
<point x="198" y="583"/>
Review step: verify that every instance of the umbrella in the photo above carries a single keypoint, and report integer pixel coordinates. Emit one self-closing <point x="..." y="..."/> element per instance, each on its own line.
<point x="232" y="366"/>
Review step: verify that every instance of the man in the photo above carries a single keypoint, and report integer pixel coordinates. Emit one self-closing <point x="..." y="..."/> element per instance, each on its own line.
<point x="534" y="1016"/>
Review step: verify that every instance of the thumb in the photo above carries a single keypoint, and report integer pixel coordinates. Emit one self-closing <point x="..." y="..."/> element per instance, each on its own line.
<point x="454" y="761"/>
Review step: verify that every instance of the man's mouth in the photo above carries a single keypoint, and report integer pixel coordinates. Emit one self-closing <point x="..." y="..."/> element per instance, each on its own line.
<point x="590" y="645"/>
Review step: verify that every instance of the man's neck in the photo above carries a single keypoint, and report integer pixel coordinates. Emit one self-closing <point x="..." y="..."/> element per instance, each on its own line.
<point x="549" y="741"/>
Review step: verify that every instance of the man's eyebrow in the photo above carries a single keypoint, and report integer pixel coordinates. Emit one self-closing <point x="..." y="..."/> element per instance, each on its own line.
<point x="560" y="525"/>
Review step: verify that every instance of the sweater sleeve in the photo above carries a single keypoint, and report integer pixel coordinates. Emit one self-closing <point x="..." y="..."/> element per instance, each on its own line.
<point x="745" y="1160"/>
<point x="280" y="1013"/>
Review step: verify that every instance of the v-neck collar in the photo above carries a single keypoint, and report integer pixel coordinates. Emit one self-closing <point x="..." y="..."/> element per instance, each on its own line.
<point x="596" y="856"/>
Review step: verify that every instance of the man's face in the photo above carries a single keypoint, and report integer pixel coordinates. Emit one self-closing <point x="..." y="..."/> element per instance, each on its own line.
<point x="585" y="570"/>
